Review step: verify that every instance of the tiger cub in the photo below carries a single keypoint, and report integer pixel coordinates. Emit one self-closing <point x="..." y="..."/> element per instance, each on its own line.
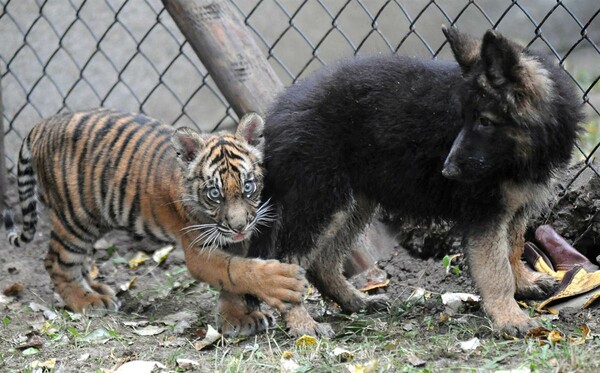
<point x="101" y="170"/>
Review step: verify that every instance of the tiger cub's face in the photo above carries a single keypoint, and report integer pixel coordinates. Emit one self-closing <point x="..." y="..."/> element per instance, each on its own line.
<point x="223" y="180"/>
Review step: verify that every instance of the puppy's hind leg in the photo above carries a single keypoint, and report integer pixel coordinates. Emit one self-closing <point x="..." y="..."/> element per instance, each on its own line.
<point x="333" y="246"/>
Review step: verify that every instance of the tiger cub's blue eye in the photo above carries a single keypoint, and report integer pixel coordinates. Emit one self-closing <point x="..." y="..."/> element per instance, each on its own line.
<point x="214" y="193"/>
<point x="249" y="187"/>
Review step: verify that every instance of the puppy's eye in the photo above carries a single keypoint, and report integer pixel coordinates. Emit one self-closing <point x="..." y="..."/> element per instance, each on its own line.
<point x="485" y="122"/>
<point x="249" y="187"/>
<point x="214" y="194"/>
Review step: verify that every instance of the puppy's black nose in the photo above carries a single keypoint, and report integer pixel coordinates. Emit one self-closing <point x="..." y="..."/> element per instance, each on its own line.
<point x="451" y="171"/>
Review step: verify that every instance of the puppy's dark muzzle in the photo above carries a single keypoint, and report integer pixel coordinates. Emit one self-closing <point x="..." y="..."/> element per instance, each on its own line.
<point x="451" y="171"/>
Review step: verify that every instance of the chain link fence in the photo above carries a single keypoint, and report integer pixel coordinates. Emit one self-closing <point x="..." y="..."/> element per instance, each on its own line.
<point x="128" y="54"/>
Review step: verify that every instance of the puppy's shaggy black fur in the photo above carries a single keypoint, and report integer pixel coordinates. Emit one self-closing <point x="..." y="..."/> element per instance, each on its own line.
<point x="475" y="142"/>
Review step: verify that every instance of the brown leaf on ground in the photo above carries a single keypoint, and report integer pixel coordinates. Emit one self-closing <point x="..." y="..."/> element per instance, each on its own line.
<point x="33" y="340"/>
<point x="13" y="290"/>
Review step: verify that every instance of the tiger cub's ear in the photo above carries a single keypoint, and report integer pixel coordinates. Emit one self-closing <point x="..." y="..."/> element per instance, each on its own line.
<point x="251" y="129"/>
<point x="187" y="144"/>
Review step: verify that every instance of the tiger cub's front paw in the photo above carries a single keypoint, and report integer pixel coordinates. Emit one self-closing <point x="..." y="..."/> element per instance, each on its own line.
<point x="97" y="300"/>
<point x="278" y="284"/>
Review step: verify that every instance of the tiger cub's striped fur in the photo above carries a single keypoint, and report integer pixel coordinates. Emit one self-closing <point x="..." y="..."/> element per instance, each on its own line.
<point x="102" y="170"/>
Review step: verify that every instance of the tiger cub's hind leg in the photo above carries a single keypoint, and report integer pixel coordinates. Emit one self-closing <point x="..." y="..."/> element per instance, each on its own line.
<point x="68" y="263"/>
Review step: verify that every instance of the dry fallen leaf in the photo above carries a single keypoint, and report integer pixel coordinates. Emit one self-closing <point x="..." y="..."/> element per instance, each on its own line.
<point x="174" y="318"/>
<point x="139" y="366"/>
<point x="538" y="332"/>
<point x="454" y="301"/>
<point x="100" y="335"/>
<point x="469" y="345"/>
<point x="13" y="290"/>
<point x="371" y="285"/>
<point x="48" y="364"/>
<point x="33" y="340"/>
<point x="418" y="295"/>
<point x="161" y="255"/>
<point x="287" y="363"/>
<point x="48" y="313"/>
<point x="415" y="361"/>
<point x="149" y="330"/>
<point x="306" y="341"/>
<point x="368" y="367"/>
<point x="135" y="323"/>
<point x="139" y="258"/>
<point x="342" y="355"/>
<point x="555" y="336"/>
<point x="212" y="335"/>
<point x="188" y="364"/>
<point x="128" y="285"/>
<point x="4" y="299"/>
<point x="287" y="354"/>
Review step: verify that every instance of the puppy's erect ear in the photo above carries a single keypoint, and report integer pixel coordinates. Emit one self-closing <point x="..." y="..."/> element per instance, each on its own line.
<point x="187" y="144"/>
<point x="464" y="46"/>
<point x="506" y="61"/>
<point x="251" y="129"/>
<point x="500" y="58"/>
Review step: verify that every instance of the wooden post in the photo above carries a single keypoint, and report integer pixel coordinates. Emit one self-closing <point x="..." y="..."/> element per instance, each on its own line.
<point x="219" y="37"/>
<point x="2" y="154"/>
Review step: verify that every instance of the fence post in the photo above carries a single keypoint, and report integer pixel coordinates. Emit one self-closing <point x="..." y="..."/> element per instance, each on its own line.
<point x="2" y="153"/>
<point x="219" y="37"/>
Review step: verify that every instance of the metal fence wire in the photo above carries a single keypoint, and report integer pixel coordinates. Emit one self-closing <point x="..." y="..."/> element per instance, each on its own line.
<point x="128" y="54"/>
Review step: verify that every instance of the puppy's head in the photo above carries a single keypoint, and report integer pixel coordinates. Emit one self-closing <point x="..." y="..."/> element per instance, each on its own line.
<point x="505" y="93"/>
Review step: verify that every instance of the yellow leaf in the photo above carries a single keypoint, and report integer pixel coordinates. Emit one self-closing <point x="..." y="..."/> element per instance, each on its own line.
<point x="212" y="335"/>
<point x="161" y="255"/>
<point x="138" y="259"/>
<point x="287" y="354"/>
<point x="48" y="364"/>
<point x="306" y="341"/>
<point x="585" y="335"/>
<point x="368" y="367"/>
<point x="375" y="285"/>
<point x="128" y="285"/>
<point x="585" y="331"/>
<point x="554" y="336"/>
<point x="342" y="355"/>
<point x="94" y="271"/>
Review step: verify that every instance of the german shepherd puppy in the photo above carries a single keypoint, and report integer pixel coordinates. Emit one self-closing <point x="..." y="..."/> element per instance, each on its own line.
<point x="475" y="142"/>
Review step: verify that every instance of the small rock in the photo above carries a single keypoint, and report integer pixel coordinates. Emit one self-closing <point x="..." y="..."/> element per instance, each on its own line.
<point x="415" y="361"/>
<point x="187" y="364"/>
<point x="180" y="327"/>
<point x="102" y="244"/>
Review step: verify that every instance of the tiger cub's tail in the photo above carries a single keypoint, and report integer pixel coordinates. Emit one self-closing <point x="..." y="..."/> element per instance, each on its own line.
<point x="27" y="200"/>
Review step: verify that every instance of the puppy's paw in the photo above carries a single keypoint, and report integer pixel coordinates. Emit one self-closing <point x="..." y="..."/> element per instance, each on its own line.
<point x="377" y="303"/>
<point x="299" y="323"/>
<point x="539" y="287"/>
<point x="510" y="321"/>
<point x="313" y="328"/>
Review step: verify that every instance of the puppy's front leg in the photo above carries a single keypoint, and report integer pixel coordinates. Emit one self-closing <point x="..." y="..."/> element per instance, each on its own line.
<point x="488" y="252"/>
<point x="529" y="283"/>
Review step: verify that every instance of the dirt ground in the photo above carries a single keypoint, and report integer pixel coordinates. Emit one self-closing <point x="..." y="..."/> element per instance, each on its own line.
<point x="165" y="313"/>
